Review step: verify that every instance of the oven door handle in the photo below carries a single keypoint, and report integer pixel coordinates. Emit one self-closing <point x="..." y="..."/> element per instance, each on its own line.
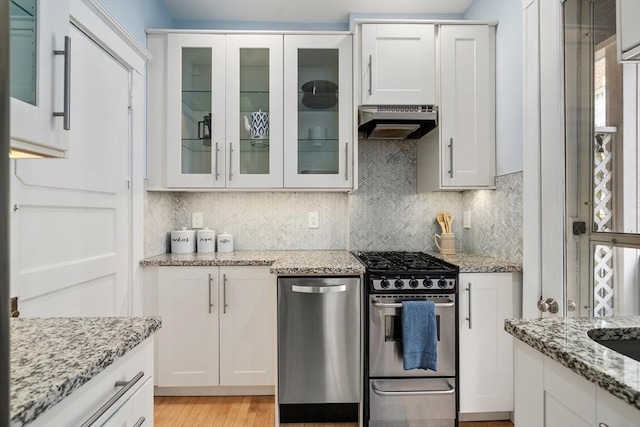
<point x="379" y="304"/>
<point x="379" y="392"/>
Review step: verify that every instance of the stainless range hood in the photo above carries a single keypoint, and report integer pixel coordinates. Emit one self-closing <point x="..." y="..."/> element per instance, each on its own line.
<point x="396" y="121"/>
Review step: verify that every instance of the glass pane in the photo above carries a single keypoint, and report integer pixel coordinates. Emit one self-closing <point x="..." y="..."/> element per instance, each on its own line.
<point x="615" y="174"/>
<point x="318" y="112"/>
<point x="254" y="111"/>
<point x="23" y="50"/>
<point x="615" y="281"/>
<point x="196" y="110"/>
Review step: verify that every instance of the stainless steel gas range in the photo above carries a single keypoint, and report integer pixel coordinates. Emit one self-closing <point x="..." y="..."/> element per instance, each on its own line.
<point x="395" y="397"/>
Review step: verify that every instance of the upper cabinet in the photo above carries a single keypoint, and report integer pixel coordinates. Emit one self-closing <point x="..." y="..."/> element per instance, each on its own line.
<point x="461" y="153"/>
<point x="318" y="111"/>
<point x="398" y="64"/>
<point x="628" y="30"/>
<point x="39" y="77"/>
<point x="219" y="105"/>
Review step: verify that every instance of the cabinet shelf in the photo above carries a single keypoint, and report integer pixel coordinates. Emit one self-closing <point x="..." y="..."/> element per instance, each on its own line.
<point x="195" y="144"/>
<point x="318" y="145"/>
<point x="197" y="100"/>
<point x="18" y="11"/>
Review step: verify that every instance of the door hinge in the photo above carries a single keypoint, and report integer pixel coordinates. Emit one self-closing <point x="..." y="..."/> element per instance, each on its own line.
<point x="130" y="100"/>
<point x="128" y="184"/>
<point x="579" y="227"/>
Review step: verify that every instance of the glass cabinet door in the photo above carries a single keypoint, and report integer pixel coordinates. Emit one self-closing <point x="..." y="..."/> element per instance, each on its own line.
<point x="196" y="111"/>
<point x="254" y="111"/>
<point x="318" y="111"/>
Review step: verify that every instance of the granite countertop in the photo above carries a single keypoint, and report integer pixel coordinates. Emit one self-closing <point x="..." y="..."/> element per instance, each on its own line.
<point x="281" y="262"/>
<point x="52" y="357"/>
<point x="473" y="263"/>
<point x="565" y="340"/>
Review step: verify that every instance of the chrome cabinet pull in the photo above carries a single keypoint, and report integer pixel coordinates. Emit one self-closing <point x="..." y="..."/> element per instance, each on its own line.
<point x="370" y="76"/>
<point x="318" y="289"/>
<point x="224" y="293"/>
<point x="216" y="160"/>
<point x="346" y="161"/>
<point x="126" y="386"/>
<point x="66" y="109"/>
<point x="140" y="421"/>
<point x="210" y="303"/>
<point x="450" y="390"/>
<point x="469" y="318"/>
<point x="230" y="161"/>
<point x="450" y="157"/>
<point x="379" y="304"/>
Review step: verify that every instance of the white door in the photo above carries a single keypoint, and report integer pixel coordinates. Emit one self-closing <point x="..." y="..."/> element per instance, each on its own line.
<point x="70" y="228"/>
<point x="188" y="340"/>
<point x="398" y="64"/>
<point x="247" y="326"/>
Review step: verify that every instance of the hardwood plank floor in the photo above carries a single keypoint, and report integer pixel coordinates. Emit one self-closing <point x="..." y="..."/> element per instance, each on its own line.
<point x="239" y="411"/>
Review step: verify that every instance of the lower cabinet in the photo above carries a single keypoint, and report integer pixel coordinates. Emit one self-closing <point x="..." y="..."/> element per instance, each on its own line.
<point x="547" y="394"/>
<point x="218" y="326"/>
<point x="486" y="349"/>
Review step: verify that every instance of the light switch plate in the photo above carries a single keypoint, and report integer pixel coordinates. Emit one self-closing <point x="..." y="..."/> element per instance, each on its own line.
<point x="466" y="219"/>
<point x="313" y="220"/>
<point x="196" y="220"/>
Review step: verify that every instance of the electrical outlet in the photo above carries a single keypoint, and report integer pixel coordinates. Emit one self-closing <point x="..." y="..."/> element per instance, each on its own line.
<point x="196" y="220"/>
<point x="313" y="220"/>
<point x="466" y="219"/>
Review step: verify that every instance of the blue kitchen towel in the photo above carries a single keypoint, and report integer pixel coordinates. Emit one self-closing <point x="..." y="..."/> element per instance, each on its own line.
<point x="419" y="335"/>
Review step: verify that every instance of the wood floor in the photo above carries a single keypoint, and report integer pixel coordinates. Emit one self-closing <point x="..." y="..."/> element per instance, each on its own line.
<point x="239" y="411"/>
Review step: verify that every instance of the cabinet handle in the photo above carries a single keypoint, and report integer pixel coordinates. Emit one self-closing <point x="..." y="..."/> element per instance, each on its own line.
<point x="66" y="110"/>
<point x="370" y="76"/>
<point x="230" y="161"/>
<point x="126" y="386"/>
<point x="603" y="425"/>
<point x="346" y="161"/>
<point x="140" y="421"/>
<point x="450" y="157"/>
<point x="224" y="294"/>
<point x="216" y="161"/>
<point x="210" y="303"/>
<point x="469" y="318"/>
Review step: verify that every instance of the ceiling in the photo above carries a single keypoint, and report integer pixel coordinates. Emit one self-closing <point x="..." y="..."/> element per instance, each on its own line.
<point x="304" y="11"/>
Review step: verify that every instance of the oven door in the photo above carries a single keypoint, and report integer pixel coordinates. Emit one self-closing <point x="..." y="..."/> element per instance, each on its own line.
<point x="385" y="336"/>
<point x="412" y="402"/>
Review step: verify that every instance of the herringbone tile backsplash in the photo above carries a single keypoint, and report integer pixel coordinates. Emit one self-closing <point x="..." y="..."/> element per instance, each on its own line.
<point x="386" y="213"/>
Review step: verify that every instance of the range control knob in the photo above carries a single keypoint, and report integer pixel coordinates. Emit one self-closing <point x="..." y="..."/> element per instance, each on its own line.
<point x="413" y="283"/>
<point x="442" y="283"/>
<point x="428" y="283"/>
<point x="384" y="284"/>
<point x="399" y="283"/>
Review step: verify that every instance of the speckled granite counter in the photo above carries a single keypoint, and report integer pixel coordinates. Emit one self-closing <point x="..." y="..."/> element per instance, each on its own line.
<point x="281" y="262"/>
<point x="472" y="263"/>
<point x="565" y="340"/>
<point x="52" y="357"/>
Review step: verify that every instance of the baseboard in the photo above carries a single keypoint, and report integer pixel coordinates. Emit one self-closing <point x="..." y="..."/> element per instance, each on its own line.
<point x="485" y="416"/>
<point x="215" y="391"/>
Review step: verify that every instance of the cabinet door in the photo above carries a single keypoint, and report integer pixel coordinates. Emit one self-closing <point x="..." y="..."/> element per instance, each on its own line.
<point x="318" y="111"/>
<point x="486" y="349"/>
<point x="188" y="340"/>
<point x="467" y="104"/>
<point x="628" y="16"/>
<point x="397" y="65"/>
<point x="37" y="82"/>
<point x="195" y="110"/>
<point x="247" y="326"/>
<point x="614" y="412"/>
<point x="254" y="111"/>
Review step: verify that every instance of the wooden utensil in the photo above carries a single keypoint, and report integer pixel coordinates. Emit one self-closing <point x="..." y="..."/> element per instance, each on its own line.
<point x="448" y="220"/>
<point x="440" y="219"/>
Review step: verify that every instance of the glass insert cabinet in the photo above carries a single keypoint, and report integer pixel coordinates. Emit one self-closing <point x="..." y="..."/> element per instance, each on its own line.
<point x="257" y="111"/>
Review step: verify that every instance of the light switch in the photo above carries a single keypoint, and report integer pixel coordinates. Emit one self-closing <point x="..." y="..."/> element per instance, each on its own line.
<point x="466" y="219"/>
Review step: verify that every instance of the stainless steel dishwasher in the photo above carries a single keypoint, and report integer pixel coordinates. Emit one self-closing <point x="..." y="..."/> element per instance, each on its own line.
<point x="318" y="349"/>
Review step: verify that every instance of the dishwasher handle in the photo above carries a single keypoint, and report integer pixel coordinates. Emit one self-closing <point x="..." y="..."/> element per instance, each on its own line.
<point x="318" y="289"/>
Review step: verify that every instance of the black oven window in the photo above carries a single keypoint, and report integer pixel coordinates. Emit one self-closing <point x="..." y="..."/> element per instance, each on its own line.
<point x="393" y="328"/>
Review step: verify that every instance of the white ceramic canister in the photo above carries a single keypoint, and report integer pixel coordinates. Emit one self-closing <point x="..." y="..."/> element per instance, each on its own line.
<point x="206" y="241"/>
<point x="183" y="241"/>
<point x="225" y="242"/>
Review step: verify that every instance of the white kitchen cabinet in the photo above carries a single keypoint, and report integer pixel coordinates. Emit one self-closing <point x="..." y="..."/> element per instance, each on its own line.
<point x="628" y="30"/>
<point x="38" y="82"/>
<point x="397" y="64"/>
<point x="486" y="349"/>
<point x="461" y="154"/>
<point x="218" y="326"/>
<point x="135" y="369"/>
<point x="551" y="395"/>
<point x="318" y="118"/>
<point x="247" y="326"/>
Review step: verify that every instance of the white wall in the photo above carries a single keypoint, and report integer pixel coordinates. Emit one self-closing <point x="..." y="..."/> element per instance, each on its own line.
<point x="508" y="78"/>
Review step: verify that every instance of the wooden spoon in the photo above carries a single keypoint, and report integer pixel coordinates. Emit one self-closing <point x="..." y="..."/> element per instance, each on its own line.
<point x="448" y="220"/>
<point x="440" y="219"/>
